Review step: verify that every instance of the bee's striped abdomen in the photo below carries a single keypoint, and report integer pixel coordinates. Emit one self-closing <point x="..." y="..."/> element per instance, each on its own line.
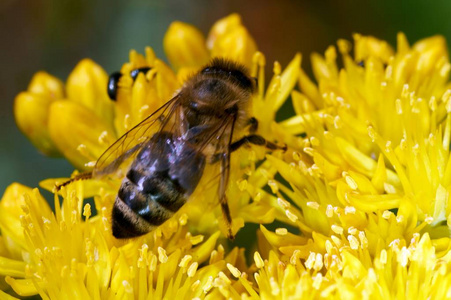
<point x="155" y="187"/>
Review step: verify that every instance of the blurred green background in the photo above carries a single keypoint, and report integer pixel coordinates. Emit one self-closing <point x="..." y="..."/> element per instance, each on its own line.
<point x="53" y="35"/>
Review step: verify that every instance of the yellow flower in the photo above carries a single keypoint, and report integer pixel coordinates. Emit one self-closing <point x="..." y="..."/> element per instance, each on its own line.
<point x="79" y="120"/>
<point x="398" y="272"/>
<point x="31" y="110"/>
<point x="185" y="46"/>
<point x="71" y="255"/>
<point x="361" y="195"/>
<point x="188" y="50"/>
<point x="369" y="185"/>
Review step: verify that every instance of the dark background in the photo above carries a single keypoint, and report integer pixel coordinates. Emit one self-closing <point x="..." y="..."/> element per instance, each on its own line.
<point x="53" y="35"/>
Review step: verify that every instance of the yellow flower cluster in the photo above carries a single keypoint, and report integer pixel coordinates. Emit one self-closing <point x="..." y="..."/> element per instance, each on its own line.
<point x="361" y="195"/>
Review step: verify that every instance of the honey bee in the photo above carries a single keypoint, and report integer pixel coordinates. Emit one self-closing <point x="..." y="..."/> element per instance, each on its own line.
<point x="170" y="148"/>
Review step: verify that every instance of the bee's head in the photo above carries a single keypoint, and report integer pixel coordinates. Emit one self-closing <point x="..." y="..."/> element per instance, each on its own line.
<point x="220" y="90"/>
<point x="231" y="71"/>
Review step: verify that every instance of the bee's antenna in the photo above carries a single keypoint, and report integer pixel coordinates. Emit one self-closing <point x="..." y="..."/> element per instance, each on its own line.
<point x="81" y="176"/>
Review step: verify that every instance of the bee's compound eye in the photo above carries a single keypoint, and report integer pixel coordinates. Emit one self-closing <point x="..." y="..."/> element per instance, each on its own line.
<point x="112" y="85"/>
<point x="134" y="73"/>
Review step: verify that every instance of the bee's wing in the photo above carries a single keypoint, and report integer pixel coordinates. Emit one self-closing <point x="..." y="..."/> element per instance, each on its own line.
<point x="225" y="172"/>
<point x="128" y="145"/>
<point x="216" y="136"/>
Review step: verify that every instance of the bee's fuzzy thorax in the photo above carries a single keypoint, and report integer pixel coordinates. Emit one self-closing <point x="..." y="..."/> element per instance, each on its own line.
<point x="230" y="70"/>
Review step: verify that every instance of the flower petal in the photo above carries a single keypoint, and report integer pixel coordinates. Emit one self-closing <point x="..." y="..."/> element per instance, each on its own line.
<point x="222" y="27"/>
<point x="87" y="85"/>
<point x="31" y="110"/>
<point x="11" y="208"/>
<point x="31" y="114"/>
<point x="237" y="45"/>
<point x="185" y="46"/>
<point x="78" y="133"/>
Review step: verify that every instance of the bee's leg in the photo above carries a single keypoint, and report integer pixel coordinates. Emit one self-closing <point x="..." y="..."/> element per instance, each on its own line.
<point x="225" y="169"/>
<point x="256" y="140"/>
<point x="251" y="139"/>
<point x="81" y="176"/>
<point x="253" y="123"/>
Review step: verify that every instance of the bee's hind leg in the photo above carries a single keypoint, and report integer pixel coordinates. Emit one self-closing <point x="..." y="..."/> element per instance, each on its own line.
<point x="81" y="176"/>
<point x="225" y="170"/>
<point x="248" y="139"/>
<point x="256" y="140"/>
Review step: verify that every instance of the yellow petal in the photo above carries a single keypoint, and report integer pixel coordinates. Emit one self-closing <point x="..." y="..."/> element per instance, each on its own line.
<point x="354" y="268"/>
<point x="31" y="110"/>
<point x="184" y="46"/>
<point x="309" y="88"/>
<point x="31" y="114"/>
<point x="201" y="253"/>
<point x="185" y="73"/>
<point x="402" y="44"/>
<point x="78" y="133"/>
<point x="167" y="83"/>
<point x="12" y="267"/>
<point x="407" y="215"/>
<point x="5" y="296"/>
<point x="237" y="45"/>
<point x="323" y="70"/>
<point x="301" y="103"/>
<point x="138" y="60"/>
<point x="45" y="84"/>
<point x="368" y="46"/>
<point x="279" y="240"/>
<point x="437" y="42"/>
<point x="87" y="85"/>
<point x="330" y="171"/>
<point x="144" y="99"/>
<point x="10" y="212"/>
<point x="361" y="162"/>
<point x="15" y="206"/>
<point x="371" y="203"/>
<point x="222" y="27"/>
<point x="258" y="213"/>
<point x="288" y="80"/>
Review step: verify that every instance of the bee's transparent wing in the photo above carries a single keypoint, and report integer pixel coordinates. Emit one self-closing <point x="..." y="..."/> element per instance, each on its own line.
<point x="220" y="136"/>
<point x="128" y="145"/>
<point x="224" y="160"/>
